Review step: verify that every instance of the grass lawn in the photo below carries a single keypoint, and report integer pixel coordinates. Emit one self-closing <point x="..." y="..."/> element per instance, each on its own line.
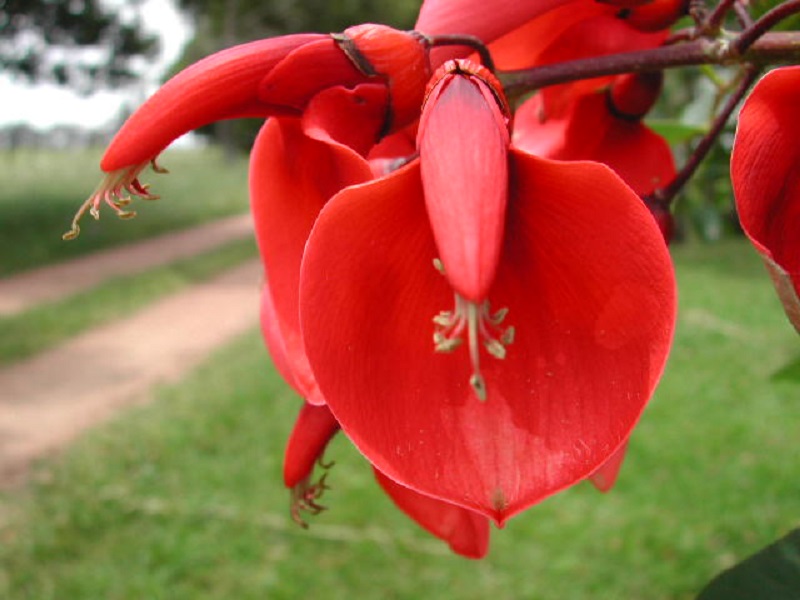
<point x="41" y="190"/>
<point x="183" y="499"/>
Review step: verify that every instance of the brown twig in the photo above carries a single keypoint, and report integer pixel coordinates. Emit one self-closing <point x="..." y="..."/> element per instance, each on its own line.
<point x="665" y="195"/>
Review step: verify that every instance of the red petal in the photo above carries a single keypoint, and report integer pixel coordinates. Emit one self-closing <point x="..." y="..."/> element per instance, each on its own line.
<point x="273" y="336"/>
<point x="221" y="86"/>
<point x="465" y="531"/>
<point x="401" y="59"/>
<point x="765" y="171"/>
<point x="348" y="117"/>
<point x="305" y="71"/>
<point x="463" y="145"/>
<point x="589" y="287"/>
<point x="292" y="176"/>
<point x="524" y="46"/>
<point x="571" y="31"/>
<point x="656" y="15"/>
<point x="314" y="428"/>
<point x="471" y="17"/>
<point x="590" y="132"/>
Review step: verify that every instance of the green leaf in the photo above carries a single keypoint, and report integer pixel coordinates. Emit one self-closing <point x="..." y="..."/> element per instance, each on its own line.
<point x="771" y="574"/>
<point x="675" y="132"/>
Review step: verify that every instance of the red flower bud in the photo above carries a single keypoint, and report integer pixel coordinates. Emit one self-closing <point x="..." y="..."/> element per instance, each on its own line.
<point x="632" y="96"/>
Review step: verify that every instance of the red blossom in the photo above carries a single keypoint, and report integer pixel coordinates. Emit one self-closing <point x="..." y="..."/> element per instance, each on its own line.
<point x="466" y="532"/>
<point x="605" y="127"/>
<point x="765" y="172"/>
<point x="277" y="76"/>
<point x="582" y="276"/>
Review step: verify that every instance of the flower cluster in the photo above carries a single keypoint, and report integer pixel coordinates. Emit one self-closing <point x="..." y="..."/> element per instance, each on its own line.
<point x="469" y="286"/>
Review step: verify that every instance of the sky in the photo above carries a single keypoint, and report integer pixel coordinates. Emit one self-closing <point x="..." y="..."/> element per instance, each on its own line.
<point x="45" y="105"/>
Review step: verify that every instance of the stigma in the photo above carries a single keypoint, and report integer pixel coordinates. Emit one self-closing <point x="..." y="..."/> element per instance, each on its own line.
<point x="476" y="322"/>
<point x="116" y="190"/>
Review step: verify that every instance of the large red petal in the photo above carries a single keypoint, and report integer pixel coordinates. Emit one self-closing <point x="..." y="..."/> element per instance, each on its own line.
<point x="590" y="132"/>
<point x="221" y="86"/>
<point x="765" y="172"/>
<point x="348" y="117"/>
<point x="523" y="47"/>
<point x="463" y="146"/>
<point x="292" y="176"/>
<point x="465" y="531"/>
<point x="589" y="287"/>
<point x="472" y="18"/>
<point x="273" y="337"/>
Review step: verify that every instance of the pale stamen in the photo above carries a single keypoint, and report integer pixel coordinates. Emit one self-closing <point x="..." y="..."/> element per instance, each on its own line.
<point x="482" y="328"/>
<point x="112" y="191"/>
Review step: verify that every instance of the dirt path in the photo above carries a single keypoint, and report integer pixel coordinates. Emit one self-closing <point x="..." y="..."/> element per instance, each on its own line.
<point x="21" y="292"/>
<point x="49" y="399"/>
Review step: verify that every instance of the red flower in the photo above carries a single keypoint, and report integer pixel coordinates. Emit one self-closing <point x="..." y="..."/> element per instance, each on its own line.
<point x="605" y="127"/>
<point x="465" y="531"/>
<point x="766" y="179"/>
<point x="522" y="35"/>
<point x="568" y="258"/>
<point x="277" y="76"/>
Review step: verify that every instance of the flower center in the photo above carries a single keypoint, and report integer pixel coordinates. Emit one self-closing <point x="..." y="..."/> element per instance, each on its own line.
<point x="481" y="328"/>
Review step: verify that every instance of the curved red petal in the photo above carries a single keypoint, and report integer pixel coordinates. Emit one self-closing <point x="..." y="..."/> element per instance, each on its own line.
<point x="305" y="71"/>
<point x="314" y="428"/>
<point x="221" y="86"/>
<point x="523" y="47"/>
<point x="292" y="176"/>
<point x="470" y="17"/>
<point x="590" y="132"/>
<point x="273" y="337"/>
<point x="589" y="287"/>
<point x="465" y="531"/>
<point x="572" y="136"/>
<point x="401" y="60"/>
<point x="765" y="172"/>
<point x="655" y="15"/>
<point x="599" y="35"/>
<point x="463" y="146"/>
<point x="349" y="117"/>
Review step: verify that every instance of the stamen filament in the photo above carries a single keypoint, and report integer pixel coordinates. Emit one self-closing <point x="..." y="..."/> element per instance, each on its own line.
<point x="111" y="192"/>
<point x="481" y="327"/>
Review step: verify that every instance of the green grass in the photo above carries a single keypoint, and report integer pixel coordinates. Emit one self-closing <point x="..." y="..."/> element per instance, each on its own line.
<point x="41" y="190"/>
<point x="182" y="499"/>
<point x="45" y="325"/>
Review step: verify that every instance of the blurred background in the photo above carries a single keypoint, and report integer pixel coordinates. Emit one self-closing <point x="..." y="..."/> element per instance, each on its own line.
<point x="182" y="496"/>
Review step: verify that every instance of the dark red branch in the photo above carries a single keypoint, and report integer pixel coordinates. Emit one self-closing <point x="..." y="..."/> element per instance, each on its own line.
<point x="760" y="28"/>
<point x="714" y="20"/>
<point x="771" y="48"/>
<point x="665" y="195"/>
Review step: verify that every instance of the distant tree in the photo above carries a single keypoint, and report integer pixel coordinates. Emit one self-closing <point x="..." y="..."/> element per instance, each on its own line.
<point x="85" y="44"/>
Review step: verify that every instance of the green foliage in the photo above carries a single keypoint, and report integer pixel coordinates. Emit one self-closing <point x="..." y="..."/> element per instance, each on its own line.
<point x="771" y="574"/>
<point x="43" y="189"/>
<point x="183" y="499"/>
<point x="71" y="24"/>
